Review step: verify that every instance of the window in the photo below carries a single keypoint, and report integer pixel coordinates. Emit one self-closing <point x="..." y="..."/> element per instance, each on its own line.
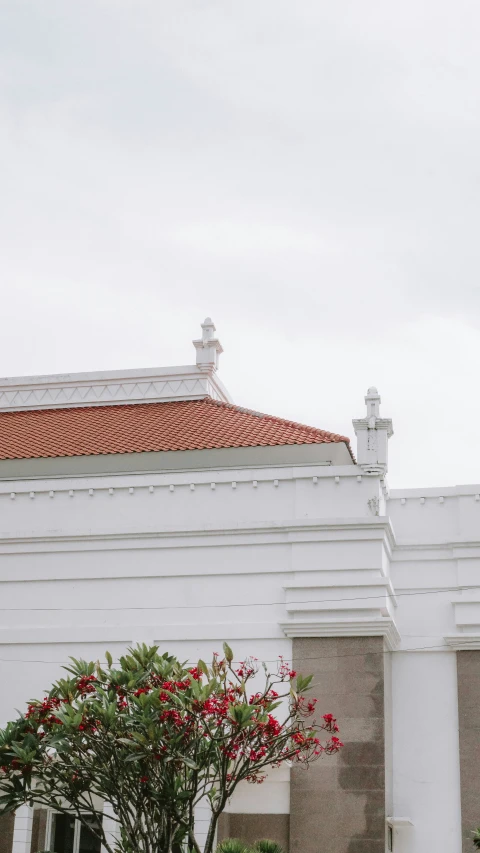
<point x="68" y="835"/>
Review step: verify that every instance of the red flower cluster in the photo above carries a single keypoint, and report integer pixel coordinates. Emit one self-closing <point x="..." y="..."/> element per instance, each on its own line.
<point x="42" y="714"/>
<point x="247" y="668"/>
<point x="330" y="724"/>
<point x="284" y="670"/>
<point x="85" y="685"/>
<point x="173" y="716"/>
<point x="195" y="673"/>
<point x="142" y="690"/>
<point x="305" y="707"/>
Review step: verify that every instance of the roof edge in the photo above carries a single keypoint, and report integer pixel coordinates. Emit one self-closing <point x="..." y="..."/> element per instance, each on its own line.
<point x="107" y="388"/>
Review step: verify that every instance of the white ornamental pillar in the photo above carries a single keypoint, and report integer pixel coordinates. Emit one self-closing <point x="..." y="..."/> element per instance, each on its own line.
<point x="22" y="833"/>
<point x="372" y="434"/>
<point x="110" y="826"/>
<point x="208" y="347"/>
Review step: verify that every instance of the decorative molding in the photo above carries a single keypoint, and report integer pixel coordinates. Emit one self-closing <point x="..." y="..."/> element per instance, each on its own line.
<point x="467" y="620"/>
<point x="342" y="607"/>
<point x="463" y="642"/>
<point x="398" y="822"/>
<point x="436" y="492"/>
<point x="296" y="530"/>
<point x="162" y="480"/>
<point x="155" y="385"/>
<point x="382" y="627"/>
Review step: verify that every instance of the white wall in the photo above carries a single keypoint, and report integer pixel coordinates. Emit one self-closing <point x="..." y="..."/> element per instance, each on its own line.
<point x="436" y="554"/>
<point x="426" y="781"/>
<point x="188" y="553"/>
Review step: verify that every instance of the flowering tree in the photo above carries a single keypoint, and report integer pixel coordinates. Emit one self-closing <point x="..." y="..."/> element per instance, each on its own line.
<point x="153" y="737"/>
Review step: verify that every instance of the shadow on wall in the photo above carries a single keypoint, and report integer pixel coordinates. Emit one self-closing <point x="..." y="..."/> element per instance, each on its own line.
<point x="252" y="827"/>
<point x="362" y="773"/>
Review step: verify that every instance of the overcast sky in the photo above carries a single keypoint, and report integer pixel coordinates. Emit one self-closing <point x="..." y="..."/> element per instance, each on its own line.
<point x="306" y="172"/>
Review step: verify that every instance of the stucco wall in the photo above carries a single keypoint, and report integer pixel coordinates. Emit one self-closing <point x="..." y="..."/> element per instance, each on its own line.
<point x="189" y="552"/>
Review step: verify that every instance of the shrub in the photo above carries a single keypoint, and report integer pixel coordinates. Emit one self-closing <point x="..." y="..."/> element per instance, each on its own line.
<point x="265" y="845"/>
<point x="232" y="845"/>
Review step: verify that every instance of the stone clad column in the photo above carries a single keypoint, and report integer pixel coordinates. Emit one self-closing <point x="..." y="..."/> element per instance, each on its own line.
<point x="337" y="805"/>
<point x="7" y="824"/>
<point x="468" y="676"/>
<point x="39" y="830"/>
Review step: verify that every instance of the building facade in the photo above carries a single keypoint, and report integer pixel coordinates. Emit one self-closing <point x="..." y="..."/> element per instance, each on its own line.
<point x="146" y="506"/>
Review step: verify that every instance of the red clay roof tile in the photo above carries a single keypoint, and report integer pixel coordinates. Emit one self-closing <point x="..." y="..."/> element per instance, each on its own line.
<point x="180" y="425"/>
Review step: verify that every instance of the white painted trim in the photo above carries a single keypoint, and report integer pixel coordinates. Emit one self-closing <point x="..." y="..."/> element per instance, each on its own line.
<point x="463" y="642"/>
<point x="102" y="481"/>
<point x="469" y="490"/>
<point x="349" y="587"/>
<point x="344" y="628"/>
<point x="48" y="830"/>
<point x="294" y="527"/>
<point x="74" y="390"/>
<point x="398" y="822"/>
<point x="76" y="835"/>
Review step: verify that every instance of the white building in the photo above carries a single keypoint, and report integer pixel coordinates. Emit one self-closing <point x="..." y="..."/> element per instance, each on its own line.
<point x="143" y="505"/>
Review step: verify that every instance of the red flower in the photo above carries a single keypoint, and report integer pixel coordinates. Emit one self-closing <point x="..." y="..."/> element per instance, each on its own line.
<point x="195" y="673"/>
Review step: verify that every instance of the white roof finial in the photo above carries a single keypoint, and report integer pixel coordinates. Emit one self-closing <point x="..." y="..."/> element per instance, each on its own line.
<point x="208" y="329"/>
<point x="372" y="434"/>
<point x="209" y="347"/>
<point x="373" y="401"/>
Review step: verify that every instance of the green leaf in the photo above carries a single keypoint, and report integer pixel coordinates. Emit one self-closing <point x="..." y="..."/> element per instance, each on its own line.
<point x="303" y="682"/>
<point x="227" y="652"/>
<point x="188" y="762"/>
<point x="202" y="667"/>
<point x="109" y="659"/>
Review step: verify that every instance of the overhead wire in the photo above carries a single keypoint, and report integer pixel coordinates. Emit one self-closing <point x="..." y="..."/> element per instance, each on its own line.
<point x="243" y="604"/>
<point x="278" y="659"/>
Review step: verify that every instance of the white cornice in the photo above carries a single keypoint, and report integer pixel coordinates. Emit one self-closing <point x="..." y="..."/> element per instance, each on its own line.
<point x="381" y="627"/>
<point x="468" y="490"/>
<point x="293" y="530"/>
<point x="73" y="390"/>
<point x="463" y="642"/>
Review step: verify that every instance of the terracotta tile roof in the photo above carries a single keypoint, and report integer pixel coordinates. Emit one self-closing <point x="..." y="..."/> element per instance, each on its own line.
<point x="179" y="425"/>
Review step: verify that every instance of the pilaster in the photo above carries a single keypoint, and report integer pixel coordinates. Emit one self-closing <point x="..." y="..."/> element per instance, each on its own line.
<point x="468" y="680"/>
<point x="22" y="833"/>
<point x="338" y="804"/>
